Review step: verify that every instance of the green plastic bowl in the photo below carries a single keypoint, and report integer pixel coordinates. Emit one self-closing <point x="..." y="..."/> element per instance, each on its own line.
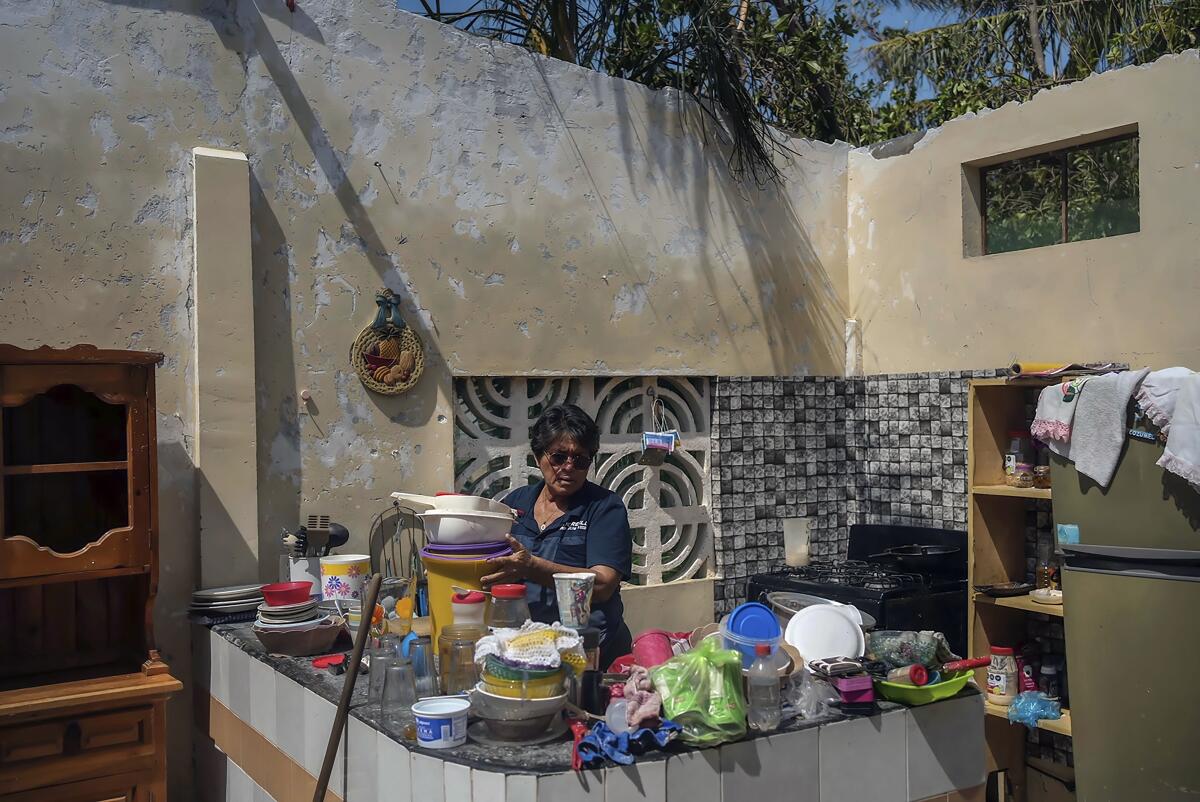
<point x="912" y="695"/>
<point x="501" y="670"/>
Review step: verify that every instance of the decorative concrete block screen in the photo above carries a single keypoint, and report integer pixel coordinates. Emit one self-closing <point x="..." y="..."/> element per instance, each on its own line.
<point x="668" y="505"/>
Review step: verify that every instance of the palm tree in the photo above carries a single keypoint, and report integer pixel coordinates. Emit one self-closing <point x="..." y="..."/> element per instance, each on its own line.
<point x="1000" y="50"/>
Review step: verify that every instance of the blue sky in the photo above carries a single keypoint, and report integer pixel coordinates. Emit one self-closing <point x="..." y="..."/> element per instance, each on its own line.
<point x="902" y="14"/>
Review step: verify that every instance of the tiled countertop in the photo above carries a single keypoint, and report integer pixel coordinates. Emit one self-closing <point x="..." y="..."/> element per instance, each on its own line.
<point x="899" y="754"/>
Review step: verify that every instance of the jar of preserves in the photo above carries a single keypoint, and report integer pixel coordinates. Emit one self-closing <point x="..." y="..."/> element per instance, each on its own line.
<point x="1002" y="676"/>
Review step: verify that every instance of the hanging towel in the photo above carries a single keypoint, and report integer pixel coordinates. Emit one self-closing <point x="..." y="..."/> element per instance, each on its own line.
<point x="1098" y="431"/>
<point x="1158" y="393"/>
<point x="1182" y="455"/>
<point x="1056" y="410"/>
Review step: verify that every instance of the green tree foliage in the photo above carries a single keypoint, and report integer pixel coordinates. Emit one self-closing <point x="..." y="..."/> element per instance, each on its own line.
<point x="997" y="51"/>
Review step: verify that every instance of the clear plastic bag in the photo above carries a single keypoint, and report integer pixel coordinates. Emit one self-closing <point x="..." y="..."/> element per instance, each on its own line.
<point x="701" y="691"/>
<point x="899" y="648"/>
<point x="810" y="696"/>
<point x="1032" y="706"/>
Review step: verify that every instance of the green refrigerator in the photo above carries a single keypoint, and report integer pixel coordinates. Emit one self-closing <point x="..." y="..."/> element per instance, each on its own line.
<point x="1131" y="588"/>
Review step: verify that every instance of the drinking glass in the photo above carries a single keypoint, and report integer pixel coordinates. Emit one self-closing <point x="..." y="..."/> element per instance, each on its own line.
<point x="395" y="595"/>
<point x="381" y="659"/>
<point x="421" y="654"/>
<point x="399" y="693"/>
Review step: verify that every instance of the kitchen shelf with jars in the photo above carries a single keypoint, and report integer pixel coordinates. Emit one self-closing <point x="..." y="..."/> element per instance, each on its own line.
<point x="1005" y="481"/>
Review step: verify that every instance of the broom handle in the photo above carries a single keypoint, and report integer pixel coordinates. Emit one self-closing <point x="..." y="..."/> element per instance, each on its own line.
<point x="343" y="709"/>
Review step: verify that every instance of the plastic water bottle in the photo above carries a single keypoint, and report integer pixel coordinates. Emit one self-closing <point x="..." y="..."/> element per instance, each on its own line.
<point x="765" y="701"/>
<point x="614" y="716"/>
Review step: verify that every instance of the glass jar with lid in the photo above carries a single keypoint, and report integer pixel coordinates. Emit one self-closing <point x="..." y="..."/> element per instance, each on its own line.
<point x="509" y="609"/>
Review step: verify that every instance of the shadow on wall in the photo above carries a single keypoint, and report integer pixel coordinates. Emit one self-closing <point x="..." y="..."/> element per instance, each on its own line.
<point x="795" y="298"/>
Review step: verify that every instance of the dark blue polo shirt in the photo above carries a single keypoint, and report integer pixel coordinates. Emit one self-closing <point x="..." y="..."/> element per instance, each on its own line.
<point x="594" y="531"/>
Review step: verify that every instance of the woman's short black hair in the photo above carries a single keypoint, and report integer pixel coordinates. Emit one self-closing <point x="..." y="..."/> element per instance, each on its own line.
<point x="564" y="420"/>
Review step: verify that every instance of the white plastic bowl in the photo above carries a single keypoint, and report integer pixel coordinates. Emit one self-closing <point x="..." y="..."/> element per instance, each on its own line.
<point x="502" y="708"/>
<point x="454" y="502"/>
<point x="461" y="528"/>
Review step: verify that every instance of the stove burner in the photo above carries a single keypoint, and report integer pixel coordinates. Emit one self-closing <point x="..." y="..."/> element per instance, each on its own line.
<point x="857" y="574"/>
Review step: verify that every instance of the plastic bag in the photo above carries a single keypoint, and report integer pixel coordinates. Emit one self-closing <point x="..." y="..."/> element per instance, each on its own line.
<point x="701" y="691"/>
<point x="810" y="696"/>
<point x="898" y="648"/>
<point x="1031" y="706"/>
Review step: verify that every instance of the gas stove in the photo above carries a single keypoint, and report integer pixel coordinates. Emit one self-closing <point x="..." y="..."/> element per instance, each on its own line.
<point x="896" y="599"/>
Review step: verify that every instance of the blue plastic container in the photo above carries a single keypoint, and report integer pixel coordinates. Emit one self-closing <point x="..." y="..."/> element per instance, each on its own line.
<point x="749" y="625"/>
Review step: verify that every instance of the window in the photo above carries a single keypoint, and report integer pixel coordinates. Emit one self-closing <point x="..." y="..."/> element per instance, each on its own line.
<point x="1077" y="193"/>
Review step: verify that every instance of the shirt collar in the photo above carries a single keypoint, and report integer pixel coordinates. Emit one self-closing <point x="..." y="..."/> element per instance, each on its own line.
<point x="575" y="511"/>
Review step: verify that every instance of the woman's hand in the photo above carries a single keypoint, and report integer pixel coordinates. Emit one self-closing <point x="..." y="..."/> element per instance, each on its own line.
<point x="516" y="567"/>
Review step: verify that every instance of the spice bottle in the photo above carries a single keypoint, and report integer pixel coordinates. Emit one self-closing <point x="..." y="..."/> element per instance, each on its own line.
<point x="1048" y="680"/>
<point x="916" y="675"/>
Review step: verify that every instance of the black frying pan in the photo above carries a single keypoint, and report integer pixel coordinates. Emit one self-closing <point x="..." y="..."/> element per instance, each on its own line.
<point x="916" y="558"/>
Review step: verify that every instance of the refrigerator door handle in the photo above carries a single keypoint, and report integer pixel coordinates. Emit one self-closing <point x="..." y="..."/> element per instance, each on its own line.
<point x="1132" y="554"/>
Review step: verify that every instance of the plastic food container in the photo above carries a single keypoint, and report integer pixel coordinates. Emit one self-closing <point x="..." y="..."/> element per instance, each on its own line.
<point x="468" y="608"/>
<point x="441" y="721"/>
<point x="280" y="594"/>
<point x="749" y="625"/>
<point x="745" y="645"/>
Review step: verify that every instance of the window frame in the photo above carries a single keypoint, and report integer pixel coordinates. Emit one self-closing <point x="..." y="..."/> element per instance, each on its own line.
<point x="1061" y="156"/>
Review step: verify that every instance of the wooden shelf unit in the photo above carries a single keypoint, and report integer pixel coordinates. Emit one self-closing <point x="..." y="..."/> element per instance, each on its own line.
<point x="1062" y="726"/>
<point x="83" y="692"/>
<point x="1019" y="603"/>
<point x="996" y="538"/>
<point x="1016" y="492"/>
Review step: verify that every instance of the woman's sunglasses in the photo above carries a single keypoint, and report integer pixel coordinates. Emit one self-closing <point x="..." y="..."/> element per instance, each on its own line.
<point x="580" y="462"/>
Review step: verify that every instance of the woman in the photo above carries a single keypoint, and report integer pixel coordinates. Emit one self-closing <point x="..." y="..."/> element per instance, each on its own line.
<point x="567" y="524"/>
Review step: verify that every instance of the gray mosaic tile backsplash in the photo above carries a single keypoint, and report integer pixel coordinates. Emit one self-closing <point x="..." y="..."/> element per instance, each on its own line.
<point x="838" y="451"/>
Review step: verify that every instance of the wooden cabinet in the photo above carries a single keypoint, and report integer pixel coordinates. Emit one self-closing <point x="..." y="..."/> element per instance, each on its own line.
<point x="82" y="688"/>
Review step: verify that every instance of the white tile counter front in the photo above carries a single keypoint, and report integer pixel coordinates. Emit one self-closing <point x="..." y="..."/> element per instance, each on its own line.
<point x="270" y="732"/>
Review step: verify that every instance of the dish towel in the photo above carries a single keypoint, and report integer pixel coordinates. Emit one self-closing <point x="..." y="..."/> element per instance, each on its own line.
<point x="1158" y="394"/>
<point x="623" y="749"/>
<point x="1100" y="424"/>
<point x="1182" y="455"/>
<point x="1056" y="411"/>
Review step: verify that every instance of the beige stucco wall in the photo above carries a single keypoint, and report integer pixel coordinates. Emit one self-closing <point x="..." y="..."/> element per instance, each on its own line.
<point x="924" y="306"/>
<point x="535" y="216"/>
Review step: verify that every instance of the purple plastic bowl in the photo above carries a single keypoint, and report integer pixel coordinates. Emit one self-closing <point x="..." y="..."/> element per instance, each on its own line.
<point x="466" y="548"/>
<point x="502" y="552"/>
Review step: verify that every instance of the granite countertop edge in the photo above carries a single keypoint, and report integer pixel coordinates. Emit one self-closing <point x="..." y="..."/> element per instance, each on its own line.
<point x="542" y="759"/>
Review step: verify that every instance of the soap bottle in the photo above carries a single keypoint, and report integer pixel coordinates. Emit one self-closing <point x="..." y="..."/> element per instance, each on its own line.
<point x="615" y="715"/>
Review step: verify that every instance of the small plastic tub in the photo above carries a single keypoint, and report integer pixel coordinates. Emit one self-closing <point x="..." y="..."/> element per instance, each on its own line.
<point x="441" y="721"/>
<point x="279" y="594"/>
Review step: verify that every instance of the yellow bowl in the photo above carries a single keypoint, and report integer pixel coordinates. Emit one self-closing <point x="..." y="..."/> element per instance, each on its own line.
<point x="541" y="688"/>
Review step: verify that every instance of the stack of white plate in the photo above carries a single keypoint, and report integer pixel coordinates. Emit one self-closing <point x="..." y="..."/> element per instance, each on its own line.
<point x="286" y="616"/>
<point x="223" y="601"/>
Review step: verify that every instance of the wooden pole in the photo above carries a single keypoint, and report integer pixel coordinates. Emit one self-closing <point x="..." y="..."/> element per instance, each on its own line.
<point x="343" y="709"/>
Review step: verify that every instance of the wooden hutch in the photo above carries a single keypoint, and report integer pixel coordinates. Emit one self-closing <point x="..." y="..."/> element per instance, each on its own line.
<point x="82" y="689"/>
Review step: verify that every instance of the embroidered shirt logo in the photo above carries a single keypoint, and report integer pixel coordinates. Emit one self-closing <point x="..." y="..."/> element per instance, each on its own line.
<point x="575" y="526"/>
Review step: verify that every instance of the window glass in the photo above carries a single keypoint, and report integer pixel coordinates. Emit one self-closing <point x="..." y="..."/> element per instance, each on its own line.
<point x="1102" y="190"/>
<point x="1024" y="204"/>
<point x="1078" y="193"/>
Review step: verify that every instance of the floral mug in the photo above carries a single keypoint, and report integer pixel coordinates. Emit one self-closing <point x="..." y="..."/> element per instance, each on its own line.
<point x="342" y="576"/>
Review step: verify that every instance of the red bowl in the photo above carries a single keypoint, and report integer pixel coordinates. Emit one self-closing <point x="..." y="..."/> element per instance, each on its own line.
<point x="281" y="593"/>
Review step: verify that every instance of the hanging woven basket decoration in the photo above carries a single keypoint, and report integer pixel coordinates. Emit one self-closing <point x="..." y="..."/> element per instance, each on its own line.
<point x="387" y="354"/>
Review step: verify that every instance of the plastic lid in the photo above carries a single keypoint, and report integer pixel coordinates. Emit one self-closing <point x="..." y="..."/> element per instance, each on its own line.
<point x="470" y="597"/>
<point x="515" y="591"/>
<point x="1003" y="651"/>
<point x="754" y="620"/>
<point x="762" y="649"/>
<point x="918" y="674"/>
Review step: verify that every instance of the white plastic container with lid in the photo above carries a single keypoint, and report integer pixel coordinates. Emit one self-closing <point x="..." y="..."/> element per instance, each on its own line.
<point x="468" y="608"/>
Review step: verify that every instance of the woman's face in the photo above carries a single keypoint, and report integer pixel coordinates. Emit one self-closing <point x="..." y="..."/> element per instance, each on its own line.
<point x="565" y="466"/>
